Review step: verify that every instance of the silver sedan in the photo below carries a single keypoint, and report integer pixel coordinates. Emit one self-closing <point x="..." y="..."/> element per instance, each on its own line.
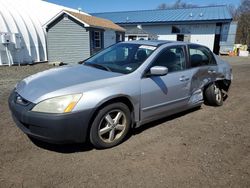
<point x="122" y="87"/>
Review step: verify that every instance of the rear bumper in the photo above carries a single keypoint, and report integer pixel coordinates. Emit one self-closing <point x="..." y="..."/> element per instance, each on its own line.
<point x="53" y="128"/>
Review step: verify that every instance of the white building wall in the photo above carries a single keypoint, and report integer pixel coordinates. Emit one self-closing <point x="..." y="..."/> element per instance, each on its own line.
<point x="205" y="39"/>
<point x="164" y="32"/>
<point x="172" y="37"/>
<point x="158" y="29"/>
<point x="109" y="38"/>
<point x="203" y="34"/>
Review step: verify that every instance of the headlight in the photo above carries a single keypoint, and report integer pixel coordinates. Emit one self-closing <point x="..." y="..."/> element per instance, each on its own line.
<point x="62" y="104"/>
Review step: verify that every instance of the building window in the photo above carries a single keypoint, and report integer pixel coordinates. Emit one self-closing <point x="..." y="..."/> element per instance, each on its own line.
<point x="97" y="39"/>
<point x="175" y="29"/>
<point x="119" y="37"/>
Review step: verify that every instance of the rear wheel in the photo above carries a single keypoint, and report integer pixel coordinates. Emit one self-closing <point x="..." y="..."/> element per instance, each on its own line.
<point x="213" y="95"/>
<point x="110" y="126"/>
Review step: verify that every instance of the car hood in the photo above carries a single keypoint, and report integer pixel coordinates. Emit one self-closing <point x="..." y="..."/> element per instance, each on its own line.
<point x="34" y="88"/>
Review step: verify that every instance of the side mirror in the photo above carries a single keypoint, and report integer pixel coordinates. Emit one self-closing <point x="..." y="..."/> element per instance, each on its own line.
<point x="158" y="71"/>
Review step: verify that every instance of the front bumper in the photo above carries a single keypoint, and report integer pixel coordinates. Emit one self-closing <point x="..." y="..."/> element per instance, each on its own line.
<point x="53" y="128"/>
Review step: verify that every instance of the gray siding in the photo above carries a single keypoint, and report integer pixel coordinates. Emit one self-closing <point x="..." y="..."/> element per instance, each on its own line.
<point x="68" y="41"/>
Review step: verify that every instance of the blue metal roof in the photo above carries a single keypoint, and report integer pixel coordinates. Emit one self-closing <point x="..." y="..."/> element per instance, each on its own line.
<point x="198" y="14"/>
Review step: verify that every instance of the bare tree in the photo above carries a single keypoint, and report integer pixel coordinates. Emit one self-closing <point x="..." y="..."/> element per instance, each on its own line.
<point x="243" y="31"/>
<point x="163" y="6"/>
<point x="233" y="11"/>
<point x="244" y="6"/>
<point x="177" y="4"/>
<point x="180" y="4"/>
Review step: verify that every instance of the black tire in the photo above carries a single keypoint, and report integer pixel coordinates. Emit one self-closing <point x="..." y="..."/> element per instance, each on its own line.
<point x="213" y="95"/>
<point x="104" y="133"/>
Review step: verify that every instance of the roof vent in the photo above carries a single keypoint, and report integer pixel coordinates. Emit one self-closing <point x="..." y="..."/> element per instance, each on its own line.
<point x="65" y="17"/>
<point x="201" y="14"/>
<point x="191" y="14"/>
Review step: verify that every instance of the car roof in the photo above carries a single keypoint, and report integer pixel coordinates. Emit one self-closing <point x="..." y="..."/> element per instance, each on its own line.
<point x="148" y="42"/>
<point x="155" y="42"/>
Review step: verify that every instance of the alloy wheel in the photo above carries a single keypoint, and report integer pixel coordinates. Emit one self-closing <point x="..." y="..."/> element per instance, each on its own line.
<point x="218" y="94"/>
<point x="112" y="126"/>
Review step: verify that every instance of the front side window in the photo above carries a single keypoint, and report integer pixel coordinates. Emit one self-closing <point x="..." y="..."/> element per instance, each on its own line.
<point x="173" y="58"/>
<point x="122" y="57"/>
<point x="200" y="56"/>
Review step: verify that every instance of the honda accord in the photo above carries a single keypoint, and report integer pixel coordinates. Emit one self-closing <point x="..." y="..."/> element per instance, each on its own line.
<point x="122" y="87"/>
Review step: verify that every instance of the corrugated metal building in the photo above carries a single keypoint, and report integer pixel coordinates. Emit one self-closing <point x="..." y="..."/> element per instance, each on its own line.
<point x="73" y="37"/>
<point x="137" y="33"/>
<point x="209" y="25"/>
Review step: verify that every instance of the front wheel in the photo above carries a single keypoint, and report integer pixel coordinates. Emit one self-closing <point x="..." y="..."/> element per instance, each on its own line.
<point x="213" y="95"/>
<point x="110" y="126"/>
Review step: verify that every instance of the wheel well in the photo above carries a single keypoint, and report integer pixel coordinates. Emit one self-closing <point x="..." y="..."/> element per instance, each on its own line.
<point x="123" y="100"/>
<point x="222" y="84"/>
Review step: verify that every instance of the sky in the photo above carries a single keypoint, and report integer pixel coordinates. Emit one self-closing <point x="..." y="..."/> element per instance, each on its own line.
<point x="93" y="6"/>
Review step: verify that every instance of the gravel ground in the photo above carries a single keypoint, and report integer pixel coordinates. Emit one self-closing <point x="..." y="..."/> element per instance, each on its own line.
<point x="209" y="147"/>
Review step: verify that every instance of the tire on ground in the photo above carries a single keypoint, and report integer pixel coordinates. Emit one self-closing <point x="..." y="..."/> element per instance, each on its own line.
<point x="213" y="95"/>
<point x="95" y="137"/>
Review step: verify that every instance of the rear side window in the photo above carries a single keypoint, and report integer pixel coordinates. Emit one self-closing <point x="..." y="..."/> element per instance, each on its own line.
<point x="172" y="57"/>
<point x="200" y="56"/>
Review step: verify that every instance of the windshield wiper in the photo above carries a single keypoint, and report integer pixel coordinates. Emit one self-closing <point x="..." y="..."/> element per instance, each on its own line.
<point x="99" y="66"/>
<point x="81" y="62"/>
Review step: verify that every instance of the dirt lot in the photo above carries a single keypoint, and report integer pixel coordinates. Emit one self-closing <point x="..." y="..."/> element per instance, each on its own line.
<point x="209" y="147"/>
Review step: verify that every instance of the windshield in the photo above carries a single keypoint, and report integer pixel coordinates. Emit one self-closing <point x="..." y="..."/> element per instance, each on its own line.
<point x="122" y="58"/>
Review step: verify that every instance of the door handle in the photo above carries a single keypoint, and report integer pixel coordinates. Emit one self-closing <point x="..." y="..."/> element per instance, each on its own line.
<point x="184" y="78"/>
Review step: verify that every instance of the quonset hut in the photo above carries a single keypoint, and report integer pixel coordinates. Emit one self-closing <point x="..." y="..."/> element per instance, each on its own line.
<point x="22" y="37"/>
